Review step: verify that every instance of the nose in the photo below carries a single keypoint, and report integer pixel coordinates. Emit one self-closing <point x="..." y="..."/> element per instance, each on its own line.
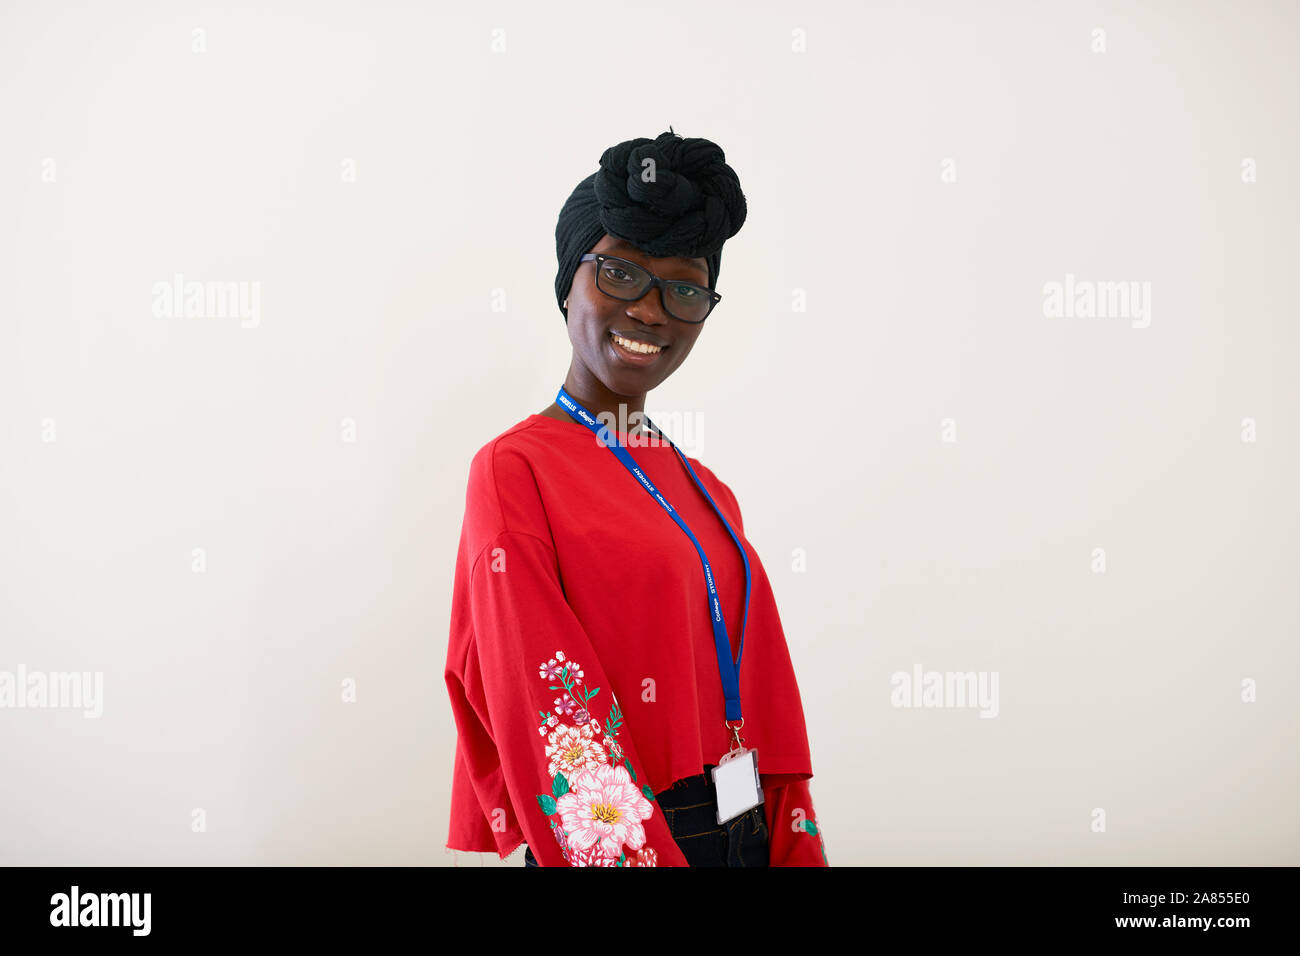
<point x="649" y="309"/>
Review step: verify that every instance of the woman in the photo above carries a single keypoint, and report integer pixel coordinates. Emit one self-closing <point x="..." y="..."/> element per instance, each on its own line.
<point x="604" y="592"/>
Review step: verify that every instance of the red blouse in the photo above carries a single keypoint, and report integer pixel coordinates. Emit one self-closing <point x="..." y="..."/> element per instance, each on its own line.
<point x="582" y="668"/>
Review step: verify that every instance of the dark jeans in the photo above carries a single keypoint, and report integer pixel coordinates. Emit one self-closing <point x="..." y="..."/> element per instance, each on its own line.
<point x="690" y="806"/>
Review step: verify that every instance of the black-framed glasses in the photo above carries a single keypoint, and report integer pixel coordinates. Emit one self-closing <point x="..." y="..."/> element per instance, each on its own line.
<point x="684" y="301"/>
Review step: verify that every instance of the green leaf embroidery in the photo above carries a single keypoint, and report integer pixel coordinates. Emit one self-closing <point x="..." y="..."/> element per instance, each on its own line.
<point x="810" y="826"/>
<point x="547" y="803"/>
<point x="649" y="794"/>
<point x="622" y="860"/>
<point x="627" y="763"/>
<point x="560" y="786"/>
<point x="614" y="720"/>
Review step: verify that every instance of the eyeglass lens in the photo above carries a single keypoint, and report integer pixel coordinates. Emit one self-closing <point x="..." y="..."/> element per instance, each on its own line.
<point x="627" y="280"/>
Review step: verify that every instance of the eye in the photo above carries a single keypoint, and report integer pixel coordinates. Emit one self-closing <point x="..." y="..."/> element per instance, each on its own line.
<point x="686" y="292"/>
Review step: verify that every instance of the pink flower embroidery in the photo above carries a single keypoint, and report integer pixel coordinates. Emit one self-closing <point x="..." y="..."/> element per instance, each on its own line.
<point x="615" y="751"/>
<point x="590" y="857"/>
<point x="562" y="839"/>
<point x="565" y="707"/>
<point x="552" y="669"/>
<point x="573" y="749"/>
<point x="551" y="721"/>
<point x="594" y="790"/>
<point x="604" y="808"/>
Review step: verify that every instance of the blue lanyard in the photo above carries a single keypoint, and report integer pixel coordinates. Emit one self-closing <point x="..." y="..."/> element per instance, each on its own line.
<point x="729" y="670"/>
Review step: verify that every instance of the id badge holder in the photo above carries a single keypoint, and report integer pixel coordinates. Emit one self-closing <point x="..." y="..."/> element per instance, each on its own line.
<point x="737" y="783"/>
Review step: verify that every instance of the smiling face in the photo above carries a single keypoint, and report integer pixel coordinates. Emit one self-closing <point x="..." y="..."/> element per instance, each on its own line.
<point x="596" y="318"/>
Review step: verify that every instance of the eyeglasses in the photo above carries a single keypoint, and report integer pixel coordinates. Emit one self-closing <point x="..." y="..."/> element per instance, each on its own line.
<point x="684" y="301"/>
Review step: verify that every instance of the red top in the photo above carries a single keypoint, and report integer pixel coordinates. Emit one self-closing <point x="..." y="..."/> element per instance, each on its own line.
<point x="582" y="667"/>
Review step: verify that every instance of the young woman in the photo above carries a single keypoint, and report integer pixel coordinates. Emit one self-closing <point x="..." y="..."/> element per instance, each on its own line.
<point x="621" y="684"/>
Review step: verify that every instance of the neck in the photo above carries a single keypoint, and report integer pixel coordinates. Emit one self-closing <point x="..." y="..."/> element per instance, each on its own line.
<point x="599" y="400"/>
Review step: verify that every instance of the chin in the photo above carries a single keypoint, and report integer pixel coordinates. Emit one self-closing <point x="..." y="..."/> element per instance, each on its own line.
<point x="629" y="386"/>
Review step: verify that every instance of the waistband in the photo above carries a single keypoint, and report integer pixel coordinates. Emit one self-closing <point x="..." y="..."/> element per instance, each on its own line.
<point x="690" y="791"/>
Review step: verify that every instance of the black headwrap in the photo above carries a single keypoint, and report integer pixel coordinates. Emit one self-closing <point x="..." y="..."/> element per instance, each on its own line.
<point x="690" y="208"/>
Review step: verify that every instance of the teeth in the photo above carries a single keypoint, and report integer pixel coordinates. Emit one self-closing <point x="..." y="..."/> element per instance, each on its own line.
<point x="636" y="346"/>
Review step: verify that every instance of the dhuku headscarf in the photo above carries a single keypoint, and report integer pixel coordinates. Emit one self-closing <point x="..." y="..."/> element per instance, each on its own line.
<point x="685" y="202"/>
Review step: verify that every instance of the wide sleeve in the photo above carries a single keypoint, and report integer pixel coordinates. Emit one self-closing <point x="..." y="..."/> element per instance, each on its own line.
<point x="794" y="834"/>
<point x="542" y="752"/>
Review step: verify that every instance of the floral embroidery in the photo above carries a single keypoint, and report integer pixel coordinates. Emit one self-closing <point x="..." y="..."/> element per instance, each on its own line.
<point x="574" y="749"/>
<point x="811" y="827"/>
<point x="594" y="791"/>
<point x="604" y="806"/>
